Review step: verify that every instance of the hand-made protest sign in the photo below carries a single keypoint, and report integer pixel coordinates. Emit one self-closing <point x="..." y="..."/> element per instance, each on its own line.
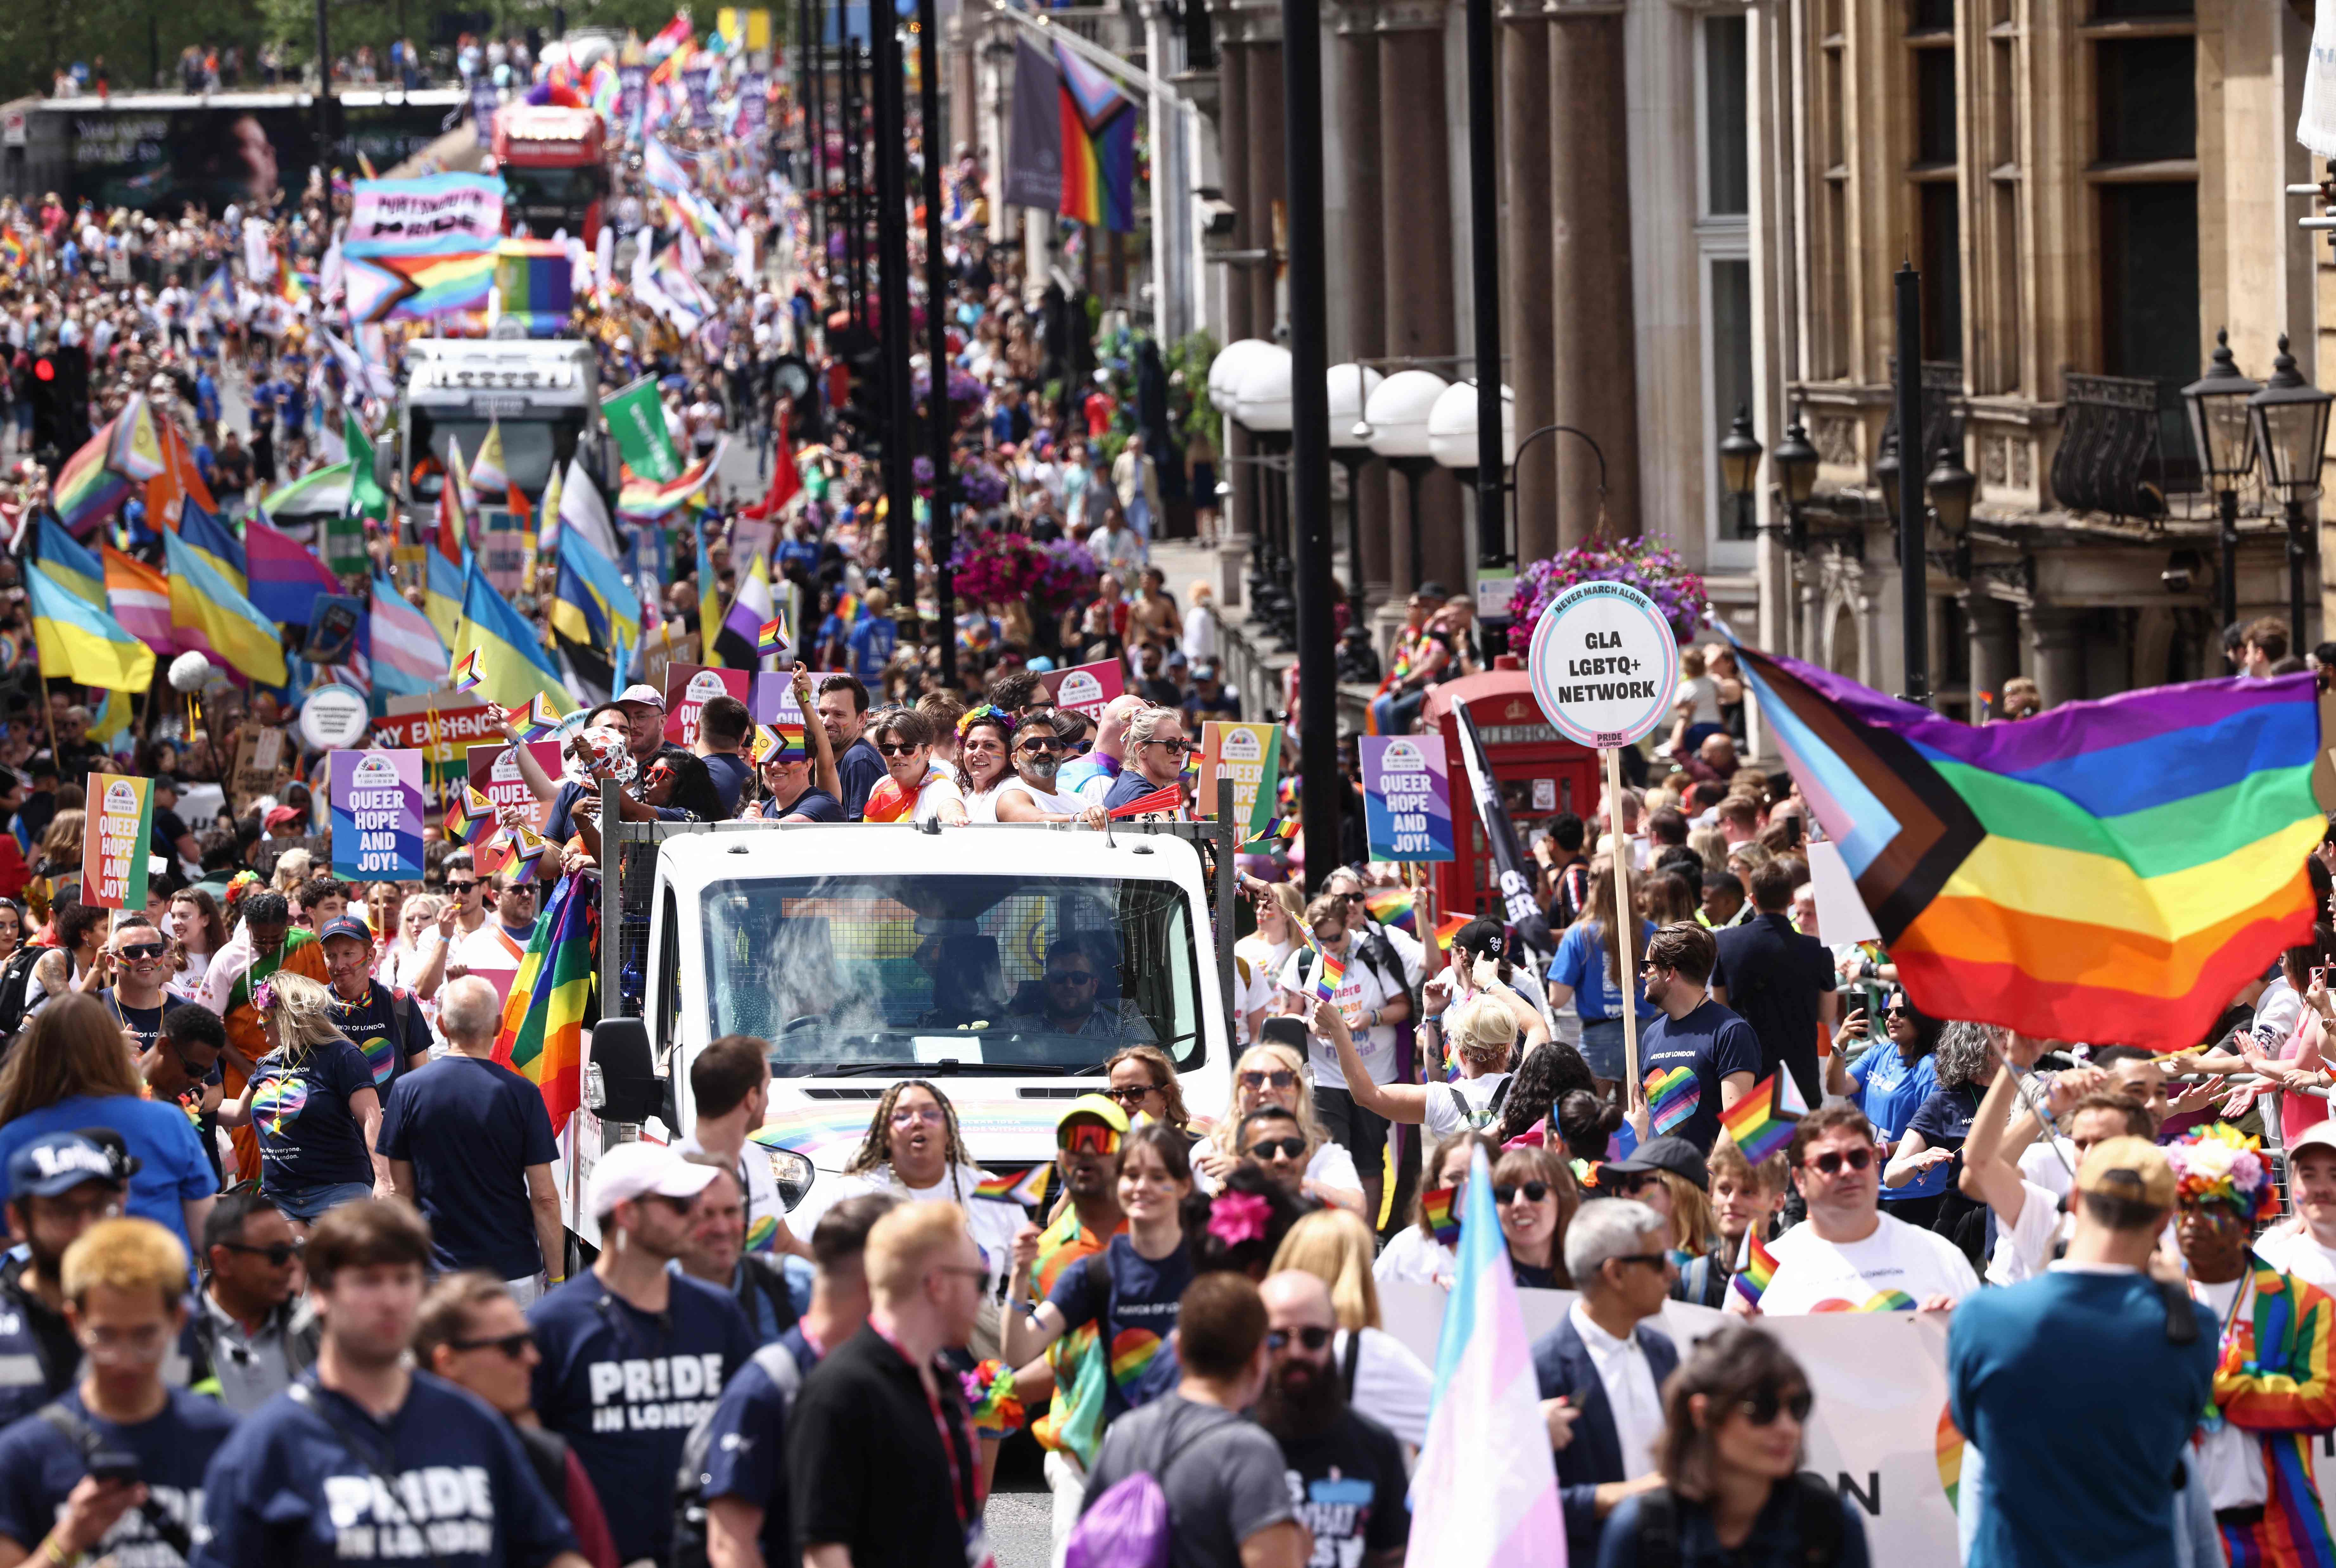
<point x="1407" y="797"/>
<point x="115" y="848"/>
<point x="377" y="805"/>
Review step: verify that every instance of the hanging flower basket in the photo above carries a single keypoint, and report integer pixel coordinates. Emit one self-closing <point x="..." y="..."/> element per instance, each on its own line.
<point x="1647" y="562"/>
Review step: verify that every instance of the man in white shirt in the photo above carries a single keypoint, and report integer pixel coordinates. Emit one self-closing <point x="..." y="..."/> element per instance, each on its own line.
<point x="2305" y="1244"/>
<point x="2031" y="1214"/>
<point x="1371" y="1011"/>
<point x="1603" y="1369"/>
<point x="1850" y="1256"/>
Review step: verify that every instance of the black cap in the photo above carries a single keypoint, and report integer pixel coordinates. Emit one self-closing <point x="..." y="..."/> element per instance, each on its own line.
<point x="1674" y="1155"/>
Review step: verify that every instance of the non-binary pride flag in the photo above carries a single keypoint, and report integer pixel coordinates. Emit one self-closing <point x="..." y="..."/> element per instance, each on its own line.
<point x="2109" y="871"/>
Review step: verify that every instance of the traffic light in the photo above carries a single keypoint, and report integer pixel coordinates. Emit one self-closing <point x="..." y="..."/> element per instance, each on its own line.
<point x="58" y="389"/>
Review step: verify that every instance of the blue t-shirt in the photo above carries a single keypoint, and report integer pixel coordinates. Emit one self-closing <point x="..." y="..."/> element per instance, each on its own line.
<point x="2020" y="1361"/>
<point x="1711" y="1042"/>
<point x="1889" y="1092"/>
<point x="1127" y="788"/>
<point x="860" y="769"/>
<point x="729" y="772"/>
<point x="1134" y="1312"/>
<point x="308" y="1137"/>
<point x="872" y="641"/>
<point x="624" y="1386"/>
<point x="1581" y="964"/>
<point x="372" y="1026"/>
<point x="746" y="1447"/>
<point x="40" y="1467"/>
<point x="442" y="1482"/>
<point x="471" y="1128"/>
<point x="172" y="1166"/>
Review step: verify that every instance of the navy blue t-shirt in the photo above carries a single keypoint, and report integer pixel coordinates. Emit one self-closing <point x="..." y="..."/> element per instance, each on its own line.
<point x="747" y="1445"/>
<point x="39" y="1468"/>
<point x="442" y="1482"/>
<point x="1128" y="787"/>
<point x="372" y="1026"/>
<point x="1134" y="1313"/>
<point x="471" y="1128"/>
<point x="860" y="769"/>
<point x="815" y="804"/>
<point x="308" y="1137"/>
<point x="624" y="1386"/>
<point x="1713" y="1043"/>
<point x="729" y="772"/>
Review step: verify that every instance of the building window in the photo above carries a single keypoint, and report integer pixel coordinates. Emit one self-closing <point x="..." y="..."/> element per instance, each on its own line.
<point x="2147" y="99"/>
<point x="2136" y="10"/>
<point x="1731" y="349"/>
<point x="1942" y="272"/>
<point x="1727" y="178"/>
<point x="2149" y="294"/>
<point x="1935" y="106"/>
<point x="1935" y="171"/>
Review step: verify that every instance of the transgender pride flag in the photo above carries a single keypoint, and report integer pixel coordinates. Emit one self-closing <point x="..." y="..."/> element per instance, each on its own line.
<point x="1486" y="1491"/>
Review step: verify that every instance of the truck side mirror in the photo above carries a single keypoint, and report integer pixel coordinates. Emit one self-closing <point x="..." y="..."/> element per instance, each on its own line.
<point x="630" y="1089"/>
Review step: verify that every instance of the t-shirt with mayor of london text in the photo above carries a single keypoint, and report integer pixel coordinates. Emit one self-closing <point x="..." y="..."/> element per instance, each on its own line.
<point x="624" y="1386"/>
<point x="1894" y="1269"/>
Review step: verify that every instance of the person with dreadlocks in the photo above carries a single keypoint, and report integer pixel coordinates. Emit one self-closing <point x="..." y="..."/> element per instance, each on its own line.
<point x="914" y="1152"/>
<point x="2273" y="1391"/>
<point x="266" y="943"/>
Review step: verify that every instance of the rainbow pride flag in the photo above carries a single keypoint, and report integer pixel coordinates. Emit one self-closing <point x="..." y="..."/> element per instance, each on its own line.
<point x="1030" y="1188"/>
<point x="1327" y="972"/>
<point x="1099" y="124"/>
<point x="1754" y="1269"/>
<point x="542" y="1034"/>
<point x="1448" y="928"/>
<point x="1760" y="1123"/>
<point x="534" y="280"/>
<point x="1672" y="1097"/>
<point x="1436" y="1203"/>
<point x="465" y="674"/>
<point x="2109" y="871"/>
<point x="644" y="499"/>
<point x="778" y="740"/>
<point x="417" y="279"/>
<point x="1396" y="907"/>
<point x="86" y="490"/>
<point x="476" y="822"/>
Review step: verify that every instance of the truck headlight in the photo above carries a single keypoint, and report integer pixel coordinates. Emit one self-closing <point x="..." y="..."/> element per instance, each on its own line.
<point x="793" y="1172"/>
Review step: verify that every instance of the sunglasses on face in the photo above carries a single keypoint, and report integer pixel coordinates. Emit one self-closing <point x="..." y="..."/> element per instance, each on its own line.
<point x="1535" y="1191"/>
<point x="513" y="1346"/>
<point x="1313" y="1337"/>
<point x="460" y="887"/>
<point x="1831" y="1161"/>
<point x="277" y="1253"/>
<point x="1290" y="1148"/>
<point x="1090" y="1138"/>
<point x="1069" y="978"/>
<point x="137" y="951"/>
<point x="1764" y="1406"/>
<point x="901" y="748"/>
<point x="1257" y="1079"/>
<point x="1042" y="743"/>
<point x="1131" y="1096"/>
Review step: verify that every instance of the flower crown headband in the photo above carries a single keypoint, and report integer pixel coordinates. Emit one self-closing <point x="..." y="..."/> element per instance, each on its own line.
<point x="2220" y="1164"/>
<point x="987" y="713"/>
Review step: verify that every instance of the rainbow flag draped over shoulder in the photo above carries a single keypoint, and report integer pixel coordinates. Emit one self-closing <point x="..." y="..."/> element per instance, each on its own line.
<point x="542" y="1035"/>
<point x="1099" y="124"/>
<point x="2110" y="872"/>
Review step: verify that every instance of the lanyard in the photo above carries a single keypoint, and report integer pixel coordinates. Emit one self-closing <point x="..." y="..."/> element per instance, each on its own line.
<point x="961" y="1486"/>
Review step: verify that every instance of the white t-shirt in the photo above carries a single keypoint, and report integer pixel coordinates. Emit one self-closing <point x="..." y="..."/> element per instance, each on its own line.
<point x="2023" y="1249"/>
<point x="980" y="806"/>
<point x="489" y="952"/>
<point x="766" y="1206"/>
<point x="1812" y="1271"/>
<point x="2230" y="1460"/>
<point x="1413" y="1256"/>
<point x="2295" y="1252"/>
<point x="1332" y="1167"/>
<point x="1444" y="1118"/>
<point x="992" y="1222"/>
<point x="1251" y="992"/>
<point x="1360" y="991"/>
<point x="1045" y="799"/>
<point x="1392" y="1385"/>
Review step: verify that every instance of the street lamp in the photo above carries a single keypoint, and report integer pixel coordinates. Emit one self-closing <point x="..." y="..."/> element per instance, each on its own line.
<point x="1351" y="386"/>
<point x="2224" y="437"/>
<point x="1452" y="439"/>
<point x="1950" y="485"/>
<point x="1396" y="411"/>
<point x="1795" y="463"/>
<point x="2289" y="418"/>
<point x="1739" y="468"/>
<point x="1262" y="404"/>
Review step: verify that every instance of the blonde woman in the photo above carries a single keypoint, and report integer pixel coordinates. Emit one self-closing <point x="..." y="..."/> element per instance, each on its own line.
<point x="1274" y="1074"/>
<point x="1483" y="1034"/>
<point x="313" y="1104"/>
<point x="1386" y="1380"/>
<point x="1670" y="1177"/>
<point x="402" y="958"/>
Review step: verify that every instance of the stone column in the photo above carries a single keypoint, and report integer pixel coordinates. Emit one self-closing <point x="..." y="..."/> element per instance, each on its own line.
<point x="1526" y="299"/>
<point x="1594" y="379"/>
<point x="2058" y="638"/>
<point x="1268" y="173"/>
<point x="1233" y="71"/>
<point x="1366" y="323"/>
<point x="1994" y="645"/>
<point x="1416" y="165"/>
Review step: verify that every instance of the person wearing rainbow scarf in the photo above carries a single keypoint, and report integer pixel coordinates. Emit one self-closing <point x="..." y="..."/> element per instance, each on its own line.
<point x="2272" y="1392"/>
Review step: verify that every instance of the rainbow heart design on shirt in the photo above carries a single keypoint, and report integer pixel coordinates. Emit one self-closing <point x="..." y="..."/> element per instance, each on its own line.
<point x="1672" y="1097"/>
<point x="382" y="1058"/>
<point x="1133" y="1351"/>
<point x="279" y="1102"/>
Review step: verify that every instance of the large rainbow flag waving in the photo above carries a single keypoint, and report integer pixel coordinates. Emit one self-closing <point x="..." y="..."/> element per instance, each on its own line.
<point x="2109" y="871"/>
<point x="542" y="1034"/>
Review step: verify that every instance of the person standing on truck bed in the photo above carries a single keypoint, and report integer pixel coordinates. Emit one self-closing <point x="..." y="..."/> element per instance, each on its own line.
<point x="844" y="714"/>
<point x="639" y="712"/>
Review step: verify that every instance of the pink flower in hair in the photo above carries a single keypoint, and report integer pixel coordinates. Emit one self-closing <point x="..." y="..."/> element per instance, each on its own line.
<point x="1238" y="1217"/>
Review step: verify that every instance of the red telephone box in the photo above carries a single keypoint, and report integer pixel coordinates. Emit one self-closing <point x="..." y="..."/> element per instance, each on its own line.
<point x="1540" y="774"/>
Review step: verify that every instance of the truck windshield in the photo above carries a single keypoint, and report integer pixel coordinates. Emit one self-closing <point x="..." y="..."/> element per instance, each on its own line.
<point x="577" y="186"/>
<point x="856" y="973"/>
<point x="531" y="446"/>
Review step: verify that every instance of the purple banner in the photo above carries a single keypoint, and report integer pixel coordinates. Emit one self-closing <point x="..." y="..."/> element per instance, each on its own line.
<point x="754" y="105"/>
<point x="695" y="82"/>
<point x="1407" y="797"/>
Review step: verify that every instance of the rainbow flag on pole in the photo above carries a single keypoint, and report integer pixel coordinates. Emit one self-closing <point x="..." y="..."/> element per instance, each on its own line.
<point x="1328" y="971"/>
<point x="542" y="1035"/>
<point x="644" y="499"/>
<point x="86" y="490"/>
<point x="1098" y="122"/>
<point x="2109" y="871"/>
<point x="1754" y="1268"/>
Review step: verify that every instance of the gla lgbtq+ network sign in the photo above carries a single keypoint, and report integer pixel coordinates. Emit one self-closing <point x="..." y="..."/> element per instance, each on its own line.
<point x="1605" y="666"/>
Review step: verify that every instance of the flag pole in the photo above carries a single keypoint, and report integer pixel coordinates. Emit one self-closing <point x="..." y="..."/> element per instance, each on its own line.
<point x="1626" y="923"/>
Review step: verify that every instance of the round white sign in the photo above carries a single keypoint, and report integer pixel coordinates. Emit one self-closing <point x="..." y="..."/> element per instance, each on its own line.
<point x="1604" y="664"/>
<point x="334" y="717"/>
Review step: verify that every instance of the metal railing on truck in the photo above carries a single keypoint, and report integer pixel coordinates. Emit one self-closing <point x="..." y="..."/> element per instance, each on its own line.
<point x="628" y="884"/>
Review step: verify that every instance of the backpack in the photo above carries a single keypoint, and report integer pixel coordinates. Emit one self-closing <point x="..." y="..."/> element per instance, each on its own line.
<point x="16" y="981"/>
<point x="778" y="1364"/>
<point x="1128" y="1526"/>
<point x="1818" y="1525"/>
<point x="1480" y="1120"/>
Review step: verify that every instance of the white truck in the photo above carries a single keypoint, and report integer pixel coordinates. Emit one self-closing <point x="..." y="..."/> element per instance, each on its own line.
<point x="867" y="954"/>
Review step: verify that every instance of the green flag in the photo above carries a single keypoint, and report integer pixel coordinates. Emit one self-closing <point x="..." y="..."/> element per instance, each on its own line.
<point x="366" y="498"/>
<point x="637" y="419"/>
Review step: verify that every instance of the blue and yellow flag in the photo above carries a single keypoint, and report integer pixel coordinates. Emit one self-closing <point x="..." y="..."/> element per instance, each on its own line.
<point x="511" y="664"/>
<point x="207" y="537"/>
<point x="442" y="595"/>
<point x="79" y="641"/>
<point x="69" y="561"/>
<point x="593" y="604"/>
<point x="209" y="611"/>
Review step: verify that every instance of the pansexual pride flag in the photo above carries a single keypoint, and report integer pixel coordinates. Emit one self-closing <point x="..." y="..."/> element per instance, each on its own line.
<point x="2110" y="872"/>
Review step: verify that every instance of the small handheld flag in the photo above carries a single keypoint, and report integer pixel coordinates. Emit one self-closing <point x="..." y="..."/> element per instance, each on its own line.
<point x="1757" y="1123"/>
<point x="1754" y="1268"/>
<point x="771" y="642"/>
<point x="466" y="673"/>
<point x="1448" y="928"/>
<point x="1328" y="973"/>
<point x="1030" y="1188"/>
<point x="1167" y="798"/>
<point x="774" y="740"/>
<point x="526" y="846"/>
<point x="1396" y="907"/>
<point x="1438" y="1205"/>
<point x="478" y="817"/>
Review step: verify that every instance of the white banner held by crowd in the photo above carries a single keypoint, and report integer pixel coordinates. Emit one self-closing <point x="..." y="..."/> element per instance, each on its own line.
<point x="428" y="207"/>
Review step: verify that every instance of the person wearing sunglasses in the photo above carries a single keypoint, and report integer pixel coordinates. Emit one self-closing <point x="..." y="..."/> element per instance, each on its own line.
<point x="1274" y="1074"/>
<point x="1372" y="1004"/>
<point x="1535" y="1197"/>
<point x="1851" y="1256"/>
<point x="1156" y="749"/>
<point x="1347" y="1468"/>
<point x="138" y="957"/>
<point x="246" y="1316"/>
<point x="473" y="1334"/>
<point x="1031" y="792"/>
<point x="1604" y="1363"/>
<point x="915" y="787"/>
<point x="1730" y="1454"/>
<point x="1092" y="775"/>
<point x="1891" y="1082"/>
<point x="1694" y="1032"/>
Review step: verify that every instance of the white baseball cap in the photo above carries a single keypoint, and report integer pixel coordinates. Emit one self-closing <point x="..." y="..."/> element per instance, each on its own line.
<point x="644" y="1170"/>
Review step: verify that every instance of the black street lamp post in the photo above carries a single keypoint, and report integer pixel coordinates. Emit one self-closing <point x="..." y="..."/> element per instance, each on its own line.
<point x="897" y="397"/>
<point x="2224" y="437"/>
<point x="937" y="407"/>
<point x="1795" y="462"/>
<point x="2289" y="417"/>
<point x="1739" y="468"/>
